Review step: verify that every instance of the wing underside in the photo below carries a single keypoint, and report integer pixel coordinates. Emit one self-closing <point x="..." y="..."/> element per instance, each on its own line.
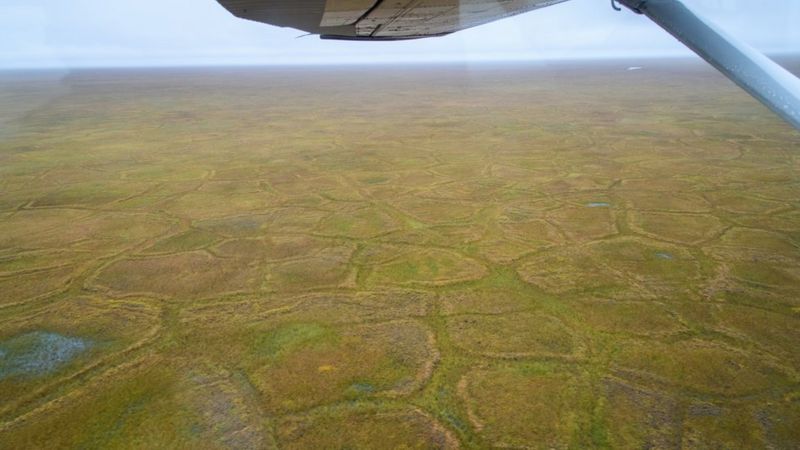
<point x="380" y="19"/>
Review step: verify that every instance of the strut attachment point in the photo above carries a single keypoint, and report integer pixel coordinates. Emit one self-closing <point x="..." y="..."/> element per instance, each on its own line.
<point x="636" y="6"/>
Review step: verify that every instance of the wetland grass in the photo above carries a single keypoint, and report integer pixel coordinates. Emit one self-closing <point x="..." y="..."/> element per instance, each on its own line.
<point x="500" y="256"/>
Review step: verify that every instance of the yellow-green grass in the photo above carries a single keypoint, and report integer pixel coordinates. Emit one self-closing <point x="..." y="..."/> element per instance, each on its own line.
<point x="679" y="228"/>
<point x="703" y="366"/>
<point x="512" y="335"/>
<point x="405" y="428"/>
<point x="564" y="256"/>
<point x="519" y="403"/>
<point x="328" y="360"/>
<point x="59" y="345"/>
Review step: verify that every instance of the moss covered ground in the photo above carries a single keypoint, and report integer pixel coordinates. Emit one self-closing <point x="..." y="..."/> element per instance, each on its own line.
<point x="547" y="256"/>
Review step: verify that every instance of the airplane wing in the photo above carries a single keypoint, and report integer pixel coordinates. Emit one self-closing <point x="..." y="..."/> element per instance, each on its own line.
<point x="380" y="19"/>
<point x="765" y="80"/>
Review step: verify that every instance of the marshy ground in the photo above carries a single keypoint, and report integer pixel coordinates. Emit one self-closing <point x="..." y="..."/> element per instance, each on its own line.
<point x="509" y="256"/>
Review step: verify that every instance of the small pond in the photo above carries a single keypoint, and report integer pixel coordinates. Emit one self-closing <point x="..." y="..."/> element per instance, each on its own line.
<point x="38" y="353"/>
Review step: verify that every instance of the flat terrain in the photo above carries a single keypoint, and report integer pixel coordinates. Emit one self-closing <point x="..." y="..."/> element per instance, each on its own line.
<point x="494" y="256"/>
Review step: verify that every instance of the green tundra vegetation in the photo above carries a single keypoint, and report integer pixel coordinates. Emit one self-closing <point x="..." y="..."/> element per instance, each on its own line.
<point x="549" y="256"/>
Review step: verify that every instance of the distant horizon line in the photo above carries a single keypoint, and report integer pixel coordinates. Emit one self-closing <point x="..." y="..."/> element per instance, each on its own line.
<point x="379" y="62"/>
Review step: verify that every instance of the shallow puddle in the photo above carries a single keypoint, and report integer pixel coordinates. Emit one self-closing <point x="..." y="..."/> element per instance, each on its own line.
<point x="598" y="205"/>
<point x="38" y="353"/>
<point x="664" y="255"/>
<point x="362" y="388"/>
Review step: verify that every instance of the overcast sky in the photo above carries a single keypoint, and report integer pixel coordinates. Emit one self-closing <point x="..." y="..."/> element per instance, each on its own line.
<point x="77" y="33"/>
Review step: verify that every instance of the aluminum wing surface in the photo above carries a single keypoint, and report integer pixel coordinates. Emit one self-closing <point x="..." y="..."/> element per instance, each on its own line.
<point x="765" y="80"/>
<point x="380" y="19"/>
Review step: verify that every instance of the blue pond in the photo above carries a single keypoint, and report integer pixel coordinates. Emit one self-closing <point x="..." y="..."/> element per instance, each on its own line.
<point x="598" y="205"/>
<point x="663" y="255"/>
<point x="38" y="353"/>
<point x="363" y="388"/>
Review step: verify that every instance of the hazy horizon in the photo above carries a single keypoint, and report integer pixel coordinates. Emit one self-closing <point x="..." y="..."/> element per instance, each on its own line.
<point x="635" y="62"/>
<point x="91" y="33"/>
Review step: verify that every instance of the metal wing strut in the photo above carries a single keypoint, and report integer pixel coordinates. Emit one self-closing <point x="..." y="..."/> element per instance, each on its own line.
<point x="765" y="80"/>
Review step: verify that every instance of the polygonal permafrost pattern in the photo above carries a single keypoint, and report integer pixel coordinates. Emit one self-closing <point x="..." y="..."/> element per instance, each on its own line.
<point x="184" y="276"/>
<point x="365" y="428"/>
<point x="513" y="335"/>
<point x="48" y="353"/>
<point x="688" y="229"/>
<point x="703" y="367"/>
<point x="513" y="404"/>
<point x="396" y="257"/>
<point x="302" y="365"/>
